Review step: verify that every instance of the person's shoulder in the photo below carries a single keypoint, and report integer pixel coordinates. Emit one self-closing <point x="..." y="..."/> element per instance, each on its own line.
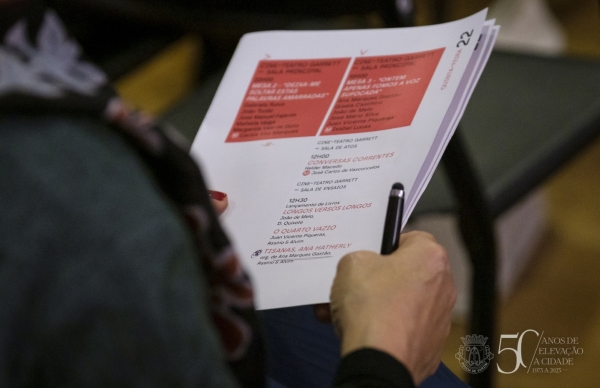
<point x="76" y="167"/>
<point x="92" y="253"/>
<point x="79" y="209"/>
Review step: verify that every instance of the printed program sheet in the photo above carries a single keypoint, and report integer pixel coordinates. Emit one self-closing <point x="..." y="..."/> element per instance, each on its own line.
<point x="309" y="130"/>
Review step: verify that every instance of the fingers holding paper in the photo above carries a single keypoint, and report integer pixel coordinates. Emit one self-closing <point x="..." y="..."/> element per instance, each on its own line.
<point x="219" y="201"/>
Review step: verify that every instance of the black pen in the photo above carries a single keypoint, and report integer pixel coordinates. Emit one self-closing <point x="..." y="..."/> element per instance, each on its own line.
<point x="393" y="220"/>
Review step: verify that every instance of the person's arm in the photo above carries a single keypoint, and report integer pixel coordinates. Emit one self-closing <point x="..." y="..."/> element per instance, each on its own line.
<point x="106" y="289"/>
<point x="393" y="311"/>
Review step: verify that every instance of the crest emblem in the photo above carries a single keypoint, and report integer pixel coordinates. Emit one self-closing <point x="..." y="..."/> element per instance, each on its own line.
<point x="474" y="356"/>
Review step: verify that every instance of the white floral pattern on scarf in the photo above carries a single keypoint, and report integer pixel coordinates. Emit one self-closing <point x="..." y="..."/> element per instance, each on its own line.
<point x="49" y="69"/>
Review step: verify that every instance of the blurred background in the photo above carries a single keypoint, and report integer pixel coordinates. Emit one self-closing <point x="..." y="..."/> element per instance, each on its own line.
<point x="159" y="56"/>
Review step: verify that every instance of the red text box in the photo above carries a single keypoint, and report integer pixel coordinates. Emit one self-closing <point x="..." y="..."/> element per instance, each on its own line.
<point x="382" y="92"/>
<point x="287" y="98"/>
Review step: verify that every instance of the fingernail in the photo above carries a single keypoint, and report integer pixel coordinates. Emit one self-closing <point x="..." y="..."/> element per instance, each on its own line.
<point x="217" y="195"/>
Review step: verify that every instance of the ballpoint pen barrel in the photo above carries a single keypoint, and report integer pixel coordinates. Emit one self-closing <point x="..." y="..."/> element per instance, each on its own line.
<point x="392" y="225"/>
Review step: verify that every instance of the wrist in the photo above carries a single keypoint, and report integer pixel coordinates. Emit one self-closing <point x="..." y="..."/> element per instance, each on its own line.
<point x="393" y="344"/>
<point x="372" y="367"/>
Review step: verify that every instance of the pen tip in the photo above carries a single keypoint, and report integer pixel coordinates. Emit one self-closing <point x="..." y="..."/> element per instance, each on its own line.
<point x="397" y="186"/>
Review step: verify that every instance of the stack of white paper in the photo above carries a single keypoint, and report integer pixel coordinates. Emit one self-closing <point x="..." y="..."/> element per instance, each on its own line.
<point x="309" y="130"/>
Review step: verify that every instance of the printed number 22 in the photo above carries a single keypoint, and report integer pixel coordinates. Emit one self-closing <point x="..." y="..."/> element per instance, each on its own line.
<point x="462" y="38"/>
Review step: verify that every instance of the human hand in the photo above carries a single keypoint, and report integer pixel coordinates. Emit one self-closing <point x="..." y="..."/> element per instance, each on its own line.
<point x="399" y="303"/>
<point x="219" y="201"/>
